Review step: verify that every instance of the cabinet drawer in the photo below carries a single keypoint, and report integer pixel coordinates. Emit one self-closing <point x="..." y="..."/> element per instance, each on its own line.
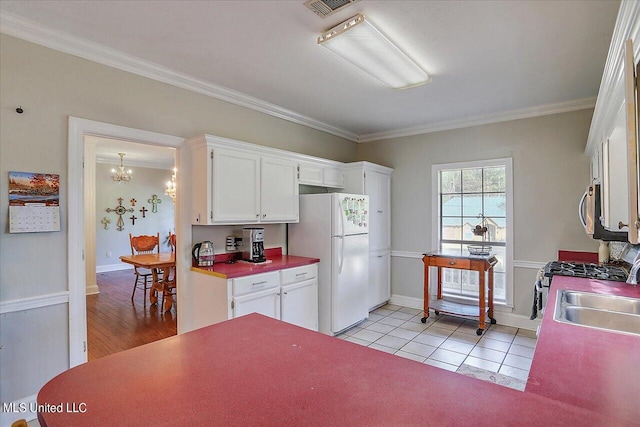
<point x="255" y="283"/>
<point x="298" y="274"/>
<point x="450" y="263"/>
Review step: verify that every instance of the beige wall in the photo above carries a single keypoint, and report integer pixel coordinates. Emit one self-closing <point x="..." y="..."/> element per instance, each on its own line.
<point x="51" y="86"/>
<point x="550" y="173"/>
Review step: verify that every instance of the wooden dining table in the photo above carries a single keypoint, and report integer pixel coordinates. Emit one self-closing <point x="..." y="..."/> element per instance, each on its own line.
<point x="156" y="262"/>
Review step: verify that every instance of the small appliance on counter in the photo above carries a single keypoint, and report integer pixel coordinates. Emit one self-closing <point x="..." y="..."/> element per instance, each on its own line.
<point x="203" y="254"/>
<point x="253" y="244"/>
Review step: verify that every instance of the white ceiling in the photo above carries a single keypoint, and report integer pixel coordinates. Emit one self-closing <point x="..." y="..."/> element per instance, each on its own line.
<point x="142" y="155"/>
<point x="489" y="60"/>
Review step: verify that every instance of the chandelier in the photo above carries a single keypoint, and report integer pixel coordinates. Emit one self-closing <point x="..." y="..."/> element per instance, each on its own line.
<point x="171" y="187"/>
<point x="121" y="174"/>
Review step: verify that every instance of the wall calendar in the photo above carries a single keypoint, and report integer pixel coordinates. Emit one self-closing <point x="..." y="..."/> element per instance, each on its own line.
<point x="34" y="202"/>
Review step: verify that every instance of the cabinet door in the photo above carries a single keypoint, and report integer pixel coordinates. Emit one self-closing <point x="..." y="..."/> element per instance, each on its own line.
<point x="264" y="302"/>
<point x="614" y="177"/>
<point x="333" y="177"/>
<point x="279" y="190"/>
<point x="300" y="304"/>
<point x="378" y="188"/>
<point x="236" y="185"/>
<point x="310" y="174"/>
<point x="379" y="279"/>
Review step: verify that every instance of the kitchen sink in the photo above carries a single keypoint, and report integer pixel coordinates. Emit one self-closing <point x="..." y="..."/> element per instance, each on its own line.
<point x="602" y="302"/>
<point x="606" y="312"/>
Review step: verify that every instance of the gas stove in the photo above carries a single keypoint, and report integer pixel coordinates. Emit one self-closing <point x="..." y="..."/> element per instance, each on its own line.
<point x="590" y="271"/>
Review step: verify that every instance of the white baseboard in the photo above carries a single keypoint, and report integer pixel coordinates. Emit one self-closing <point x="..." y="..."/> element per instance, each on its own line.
<point x="502" y="317"/>
<point x="410" y="302"/>
<point x="92" y="290"/>
<point x="20" y="409"/>
<point x="113" y="267"/>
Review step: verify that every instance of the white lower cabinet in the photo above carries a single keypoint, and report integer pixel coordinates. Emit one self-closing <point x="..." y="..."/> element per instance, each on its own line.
<point x="379" y="278"/>
<point x="299" y="304"/>
<point x="263" y="302"/>
<point x="290" y="295"/>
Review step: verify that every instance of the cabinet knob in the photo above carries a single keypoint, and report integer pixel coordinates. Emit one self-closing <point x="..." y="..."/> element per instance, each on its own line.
<point x="620" y="225"/>
<point x="379" y="211"/>
<point x="264" y="215"/>
<point x="452" y="263"/>
<point x="257" y="215"/>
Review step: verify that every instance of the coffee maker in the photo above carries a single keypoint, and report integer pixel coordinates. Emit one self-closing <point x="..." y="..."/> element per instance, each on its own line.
<point x="253" y="244"/>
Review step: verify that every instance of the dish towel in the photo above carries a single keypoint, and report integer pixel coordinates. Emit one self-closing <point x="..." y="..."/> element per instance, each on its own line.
<point x="537" y="294"/>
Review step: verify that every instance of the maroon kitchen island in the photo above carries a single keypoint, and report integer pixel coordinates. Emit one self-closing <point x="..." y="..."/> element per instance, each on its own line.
<point x="255" y="370"/>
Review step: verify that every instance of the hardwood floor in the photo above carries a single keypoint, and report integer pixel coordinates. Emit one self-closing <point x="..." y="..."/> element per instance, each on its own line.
<point x="115" y="323"/>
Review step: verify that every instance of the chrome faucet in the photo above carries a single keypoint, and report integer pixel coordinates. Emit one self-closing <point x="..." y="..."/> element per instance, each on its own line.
<point x="633" y="274"/>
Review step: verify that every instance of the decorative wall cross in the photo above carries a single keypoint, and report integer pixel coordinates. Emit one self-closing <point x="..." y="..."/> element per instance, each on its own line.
<point x="154" y="200"/>
<point x="106" y="221"/>
<point x="133" y="202"/>
<point x="144" y="211"/>
<point x="120" y="210"/>
<point x="133" y="219"/>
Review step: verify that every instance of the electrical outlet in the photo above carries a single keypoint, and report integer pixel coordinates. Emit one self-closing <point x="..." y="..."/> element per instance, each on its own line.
<point x="108" y="254"/>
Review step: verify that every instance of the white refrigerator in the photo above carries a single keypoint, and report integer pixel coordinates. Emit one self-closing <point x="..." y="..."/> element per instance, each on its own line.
<point x="334" y="227"/>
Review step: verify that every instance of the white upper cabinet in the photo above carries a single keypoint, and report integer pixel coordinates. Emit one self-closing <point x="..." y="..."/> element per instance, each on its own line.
<point x="240" y="183"/>
<point x="278" y="190"/>
<point x="614" y="177"/>
<point x="236" y="186"/>
<point x="613" y="136"/>
<point x="320" y="172"/>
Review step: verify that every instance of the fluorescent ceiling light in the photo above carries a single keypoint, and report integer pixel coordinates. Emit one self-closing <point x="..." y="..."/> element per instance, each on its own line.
<point x="362" y="44"/>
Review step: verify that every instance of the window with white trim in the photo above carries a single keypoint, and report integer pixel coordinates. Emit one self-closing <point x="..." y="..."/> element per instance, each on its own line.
<point x="467" y="195"/>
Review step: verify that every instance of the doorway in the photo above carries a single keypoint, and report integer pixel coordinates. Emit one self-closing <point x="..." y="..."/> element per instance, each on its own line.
<point x="116" y="319"/>
<point x="79" y="129"/>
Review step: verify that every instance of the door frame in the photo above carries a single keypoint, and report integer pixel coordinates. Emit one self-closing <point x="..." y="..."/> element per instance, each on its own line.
<point x="76" y="268"/>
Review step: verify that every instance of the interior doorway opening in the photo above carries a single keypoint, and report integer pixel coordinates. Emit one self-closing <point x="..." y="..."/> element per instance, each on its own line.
<point x="79" y="130"/>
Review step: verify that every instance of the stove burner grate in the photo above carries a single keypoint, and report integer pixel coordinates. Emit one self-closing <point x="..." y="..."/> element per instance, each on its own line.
<point x="591" y="271"/>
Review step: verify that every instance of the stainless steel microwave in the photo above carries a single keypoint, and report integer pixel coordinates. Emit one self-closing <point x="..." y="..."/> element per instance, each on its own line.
<point x="589" y="210"/>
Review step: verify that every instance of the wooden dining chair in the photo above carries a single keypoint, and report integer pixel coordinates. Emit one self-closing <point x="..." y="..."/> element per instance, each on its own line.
<point x="143" y="244"/>
<point x="166" y="286"/>
<point x="172" y="241"/>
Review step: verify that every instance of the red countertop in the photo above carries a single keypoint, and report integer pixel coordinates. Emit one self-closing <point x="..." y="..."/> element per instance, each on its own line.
<point x="255" y="370"/>
<point x="277" y="261"/>
<point x="586" y="367"/>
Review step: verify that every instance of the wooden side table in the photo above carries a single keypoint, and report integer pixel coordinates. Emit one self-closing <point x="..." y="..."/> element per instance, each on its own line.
<point x="480" y="263"/>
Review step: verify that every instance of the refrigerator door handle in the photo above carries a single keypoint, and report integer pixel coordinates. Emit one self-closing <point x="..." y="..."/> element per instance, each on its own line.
<point x="341" y="259"/>
<point x="341" y="231"/>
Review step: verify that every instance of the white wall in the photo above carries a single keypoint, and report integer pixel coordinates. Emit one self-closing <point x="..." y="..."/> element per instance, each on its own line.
<point x="145" y="183"/>
<point x="51" y="86"/>
<point x="550" y="173"/>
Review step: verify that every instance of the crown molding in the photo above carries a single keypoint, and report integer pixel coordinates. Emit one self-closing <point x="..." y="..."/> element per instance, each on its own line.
<point x="19" y="27"/>
<point x="503" y="116"/>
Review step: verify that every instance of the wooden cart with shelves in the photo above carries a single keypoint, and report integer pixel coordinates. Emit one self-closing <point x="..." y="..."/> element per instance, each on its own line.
<point x="483" y="264"/>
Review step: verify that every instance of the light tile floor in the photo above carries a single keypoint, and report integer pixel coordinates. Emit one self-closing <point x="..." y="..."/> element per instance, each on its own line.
<point x="445" y="341"/>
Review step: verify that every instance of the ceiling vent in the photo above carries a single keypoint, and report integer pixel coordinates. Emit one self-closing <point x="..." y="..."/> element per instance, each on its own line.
<point x="324" y="8"/>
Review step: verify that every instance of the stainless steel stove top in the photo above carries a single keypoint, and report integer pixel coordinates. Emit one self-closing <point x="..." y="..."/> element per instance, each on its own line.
<point x="591" y="271"/>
